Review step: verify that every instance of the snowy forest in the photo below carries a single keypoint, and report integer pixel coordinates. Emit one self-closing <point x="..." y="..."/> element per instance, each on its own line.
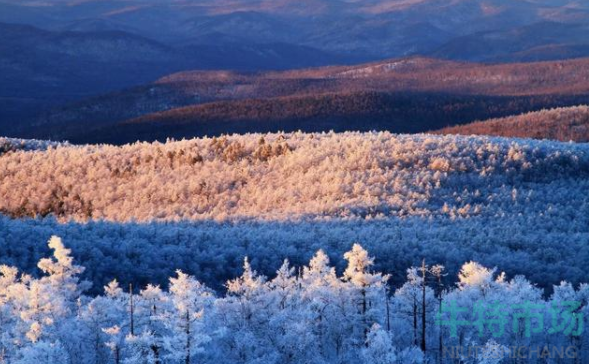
<point x="139" y="212"/>
<point x="280" y="177"/>
<point x="305" y="314"/>
<point x="564" y="124"/>
<point x="295" y="248"/>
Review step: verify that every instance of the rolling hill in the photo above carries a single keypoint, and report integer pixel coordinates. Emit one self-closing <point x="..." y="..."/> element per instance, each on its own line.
<point x="419" y="74"/>
<point x="401" y="95"/>
<point x="140" y="211"/>
<point x="398" y="112"/>
<point x="562" y="124"/>
<point x="40" y="68"/>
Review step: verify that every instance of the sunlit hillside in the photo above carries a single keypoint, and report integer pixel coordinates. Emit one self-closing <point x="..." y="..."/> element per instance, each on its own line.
<point x="140" y="211"/>
<point x="564" y="124"/>
<point x="407" y="95"/>
<point x="293" y="176"/>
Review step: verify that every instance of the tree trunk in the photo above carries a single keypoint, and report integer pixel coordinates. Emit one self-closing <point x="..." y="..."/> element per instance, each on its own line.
<point x="156" y="354"/>
<point x="387" y="300"/>
<point x="441" y="338"/>
<point x="423" y="316"/>
<point x="415" y="321"/>
<point x="187" y="359"/>
<point x="131" y="309"/>
<point x="364" y="309"/>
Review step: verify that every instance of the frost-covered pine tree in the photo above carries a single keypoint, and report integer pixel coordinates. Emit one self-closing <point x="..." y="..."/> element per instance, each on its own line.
<point x="408" y="306"/>
<point x="326" y="301"/>
<point x="148" y="342"/>
<point x="379" y="347"/>
<point x="285" y="286"/>
<point x="61" y="274"/>
<point x="319" y="273"/>
<point x="367" y="288"/>
<point x="186" y="335"/>
<point x="53" y="298"/>
<point x="289" y="326"/>
<point x="43" y="352"/>
<point x="12" y="292"/>
<point x="243" y="315"/>
<point x="106" y="323"/>
<point x="472" y="275"/>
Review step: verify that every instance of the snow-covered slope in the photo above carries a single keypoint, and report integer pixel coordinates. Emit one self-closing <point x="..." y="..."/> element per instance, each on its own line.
<point x="293" y="176"/>
<point x="568" y="123"/>
<point x="515" y="203"/>
<point x="14" y="144"/>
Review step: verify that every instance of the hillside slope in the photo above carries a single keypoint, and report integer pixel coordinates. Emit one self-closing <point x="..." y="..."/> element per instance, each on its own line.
<point x="419" y="74"/>
<point x="562" y="124"/>
<point x="509" y="89"/>
<point x="362" y="111"/>
<point x="140" y="211"/>
<point x="222" y="177"/>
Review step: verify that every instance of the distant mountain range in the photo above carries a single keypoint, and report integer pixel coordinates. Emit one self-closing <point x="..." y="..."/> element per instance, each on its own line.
<point x="378" y="28"/>
<point x="40" y="68"/>
<point x="64" y="59"/>
<point x="536" y="42"/>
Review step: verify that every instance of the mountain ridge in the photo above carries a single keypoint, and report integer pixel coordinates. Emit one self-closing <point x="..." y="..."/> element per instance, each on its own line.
<point x="563" y="124"/>
<point x="449" y="87"/>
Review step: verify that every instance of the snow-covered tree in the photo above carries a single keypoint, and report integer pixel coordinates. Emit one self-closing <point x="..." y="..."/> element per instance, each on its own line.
<point x="367" y="287"/>
<point x="186" y="335"/>
<point x="313" y="317"/>
<point x="42" y="352"/>
<point x="379" y="347"/>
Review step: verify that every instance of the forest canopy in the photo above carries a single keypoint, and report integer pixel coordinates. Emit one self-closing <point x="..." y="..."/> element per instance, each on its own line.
<point x="140" y="211"/>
